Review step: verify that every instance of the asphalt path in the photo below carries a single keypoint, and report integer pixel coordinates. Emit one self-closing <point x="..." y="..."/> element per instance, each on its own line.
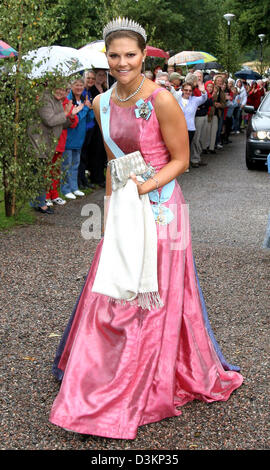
<point x="42" y="272"/>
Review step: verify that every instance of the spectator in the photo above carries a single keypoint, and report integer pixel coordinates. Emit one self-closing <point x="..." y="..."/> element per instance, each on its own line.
<point x="86" y="152"/>
<point x="176" y="80"/>
<point x="52" y="195"/>
<point x="170" y="69"/>
<point x="231" y="104"/>
<point x="97" y="161"/>
<point x="45" y="129"/>
<point x="242" y="102"/>
<point x="261" y="88"/>
<point x="74" y="142"/>
<point x="101" y="83"/>
<point x="254" y="96"/>
<point x="220" y="104"/>
<point x="189" y="105"/>
<point x="191" y="77"/>
<point x="157" y="69"/>
<point x="149" y="74"/>
<point x="209" y="138"/>
<point x="162" y="79"/>
<point x="200" y="124"/>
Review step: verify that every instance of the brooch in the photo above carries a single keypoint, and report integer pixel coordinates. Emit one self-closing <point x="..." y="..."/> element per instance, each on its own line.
<point x="143" y="109"/>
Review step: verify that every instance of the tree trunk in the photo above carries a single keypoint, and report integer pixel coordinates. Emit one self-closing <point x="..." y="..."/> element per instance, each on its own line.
<point x="7" y="193"/>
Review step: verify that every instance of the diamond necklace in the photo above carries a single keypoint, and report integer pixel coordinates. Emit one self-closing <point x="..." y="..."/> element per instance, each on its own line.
<point x="133" y="94"/>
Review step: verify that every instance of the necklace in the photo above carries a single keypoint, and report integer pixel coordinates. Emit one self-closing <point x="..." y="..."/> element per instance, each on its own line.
<point x="133" y="94"/>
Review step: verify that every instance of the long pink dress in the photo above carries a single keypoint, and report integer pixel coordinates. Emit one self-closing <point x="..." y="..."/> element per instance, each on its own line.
<point x="122" y="366"/>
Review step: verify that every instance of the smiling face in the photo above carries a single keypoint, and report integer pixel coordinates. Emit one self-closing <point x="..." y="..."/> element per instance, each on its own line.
<point x="187" y="91"/>
<point x="101" y="77"/>
<point x="77" y="88"/>
<point x="219" y="81"/>
<point x="90" y="79"/>
<point x="59" y="93"/>
<point x="125" y="60"/>
<point x="210" y="87"/>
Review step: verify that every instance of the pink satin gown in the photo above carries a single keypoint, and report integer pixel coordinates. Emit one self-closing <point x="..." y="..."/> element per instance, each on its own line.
<point x="121" y="366"/>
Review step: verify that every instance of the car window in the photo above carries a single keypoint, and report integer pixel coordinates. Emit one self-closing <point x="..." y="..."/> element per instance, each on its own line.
<point x="265" y="105"/>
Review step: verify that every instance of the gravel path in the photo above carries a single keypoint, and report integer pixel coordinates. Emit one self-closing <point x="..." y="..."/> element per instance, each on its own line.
<point x="42" y="271"/>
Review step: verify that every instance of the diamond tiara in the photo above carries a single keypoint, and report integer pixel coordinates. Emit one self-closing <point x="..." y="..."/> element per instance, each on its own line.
<point x="123" y="24"/>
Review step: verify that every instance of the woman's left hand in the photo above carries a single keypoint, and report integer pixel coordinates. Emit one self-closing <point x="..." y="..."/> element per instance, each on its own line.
<point x="138" y="183"/>
<point x="201" y="86"/>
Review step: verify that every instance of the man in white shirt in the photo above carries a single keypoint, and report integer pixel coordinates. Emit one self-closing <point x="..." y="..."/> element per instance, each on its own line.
<point x="242" y="101"/>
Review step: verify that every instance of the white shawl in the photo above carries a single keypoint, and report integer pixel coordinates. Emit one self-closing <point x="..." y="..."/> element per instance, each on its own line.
<point x="127" y="267"/>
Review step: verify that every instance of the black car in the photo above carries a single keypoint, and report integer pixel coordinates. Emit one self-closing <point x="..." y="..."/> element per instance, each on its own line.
<point x="258" y="134"/>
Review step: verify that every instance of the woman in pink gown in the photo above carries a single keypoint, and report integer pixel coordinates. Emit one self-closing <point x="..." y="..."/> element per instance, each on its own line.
<point x="123" y="366"/>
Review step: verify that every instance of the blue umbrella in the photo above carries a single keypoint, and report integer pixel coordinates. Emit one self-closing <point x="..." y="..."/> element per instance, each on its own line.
<point x="248" y="74"/>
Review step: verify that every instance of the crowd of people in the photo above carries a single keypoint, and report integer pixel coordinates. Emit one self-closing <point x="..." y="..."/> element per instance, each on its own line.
<point x="212" y="103"/>
<point x="79" y="159"/>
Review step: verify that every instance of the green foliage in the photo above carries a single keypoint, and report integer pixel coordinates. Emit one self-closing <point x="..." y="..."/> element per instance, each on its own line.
<point x="25" y="216"/>
<point x="227" y="50"/>
<point x="25" y="25"/>
<point x="253" y="19"/>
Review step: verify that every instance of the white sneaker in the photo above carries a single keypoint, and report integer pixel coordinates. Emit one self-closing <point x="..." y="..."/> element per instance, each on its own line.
<point x="59" y="201"/>
<point x="237" y="132"/>
<point x="49" y="202"/>
<point x="70" y="196"/>
<point x="78" y="193"/>
<point x="219" y="146"/>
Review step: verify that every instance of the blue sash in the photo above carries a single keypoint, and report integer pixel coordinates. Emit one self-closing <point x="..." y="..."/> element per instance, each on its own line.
<point x="162" y="214"/>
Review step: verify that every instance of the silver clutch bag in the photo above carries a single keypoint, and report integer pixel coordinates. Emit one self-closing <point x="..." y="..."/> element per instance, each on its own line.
<point x="121" y="168"/>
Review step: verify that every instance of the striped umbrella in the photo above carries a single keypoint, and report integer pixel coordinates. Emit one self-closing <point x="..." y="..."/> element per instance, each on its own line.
<point x="6" y="50"/>
<point x="190" y="58"/>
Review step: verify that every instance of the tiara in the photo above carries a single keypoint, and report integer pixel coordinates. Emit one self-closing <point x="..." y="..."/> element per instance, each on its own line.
<point x="123" y="24"/>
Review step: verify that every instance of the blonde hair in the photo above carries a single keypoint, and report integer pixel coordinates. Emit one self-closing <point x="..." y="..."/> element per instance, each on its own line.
<point x="191" y="77"/>
<point x="218" y="76"/>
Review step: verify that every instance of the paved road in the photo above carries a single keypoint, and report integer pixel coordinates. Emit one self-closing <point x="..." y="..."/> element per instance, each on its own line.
<point x="42" y="270"/>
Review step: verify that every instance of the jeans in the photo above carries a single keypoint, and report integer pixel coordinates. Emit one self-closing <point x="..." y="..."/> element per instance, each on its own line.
<point x="40" y="200"/>
<point x="69" y="170"/>
<point x="219" y="130"/>
<point x="236" y="119"/>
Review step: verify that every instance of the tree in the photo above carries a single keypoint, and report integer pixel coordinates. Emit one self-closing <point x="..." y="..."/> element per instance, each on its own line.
<point x="228" y="49"/>
<point x="253" y="19"/>
<point x="25" y="26"/>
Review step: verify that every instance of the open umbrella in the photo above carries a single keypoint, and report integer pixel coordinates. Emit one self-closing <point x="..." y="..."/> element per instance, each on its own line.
<point x="190" y="58"/>
<point x="155" y="52"/>
<point x="208" y="66"/>
<point x="55" y="59"/>
<point x="6" y="50"/>
<point x="248" y="74"/>
<point x="93" y="55"/>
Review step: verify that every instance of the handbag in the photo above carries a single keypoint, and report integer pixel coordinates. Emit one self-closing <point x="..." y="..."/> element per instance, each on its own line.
<point x="121" y="168"/>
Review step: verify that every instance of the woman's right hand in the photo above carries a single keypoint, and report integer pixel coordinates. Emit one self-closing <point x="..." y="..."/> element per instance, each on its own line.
<point x="77" y="109"/>
<point x="68" y="108"/>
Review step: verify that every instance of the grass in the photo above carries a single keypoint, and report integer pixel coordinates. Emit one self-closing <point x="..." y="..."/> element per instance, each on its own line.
<point x="25" y="217"/>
